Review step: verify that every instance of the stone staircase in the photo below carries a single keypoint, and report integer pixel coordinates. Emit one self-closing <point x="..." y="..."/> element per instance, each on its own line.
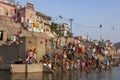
<point x="9" y="25"/>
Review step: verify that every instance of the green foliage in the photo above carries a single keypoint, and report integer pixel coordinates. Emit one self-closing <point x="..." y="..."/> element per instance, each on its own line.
<point x="54" y="28"/>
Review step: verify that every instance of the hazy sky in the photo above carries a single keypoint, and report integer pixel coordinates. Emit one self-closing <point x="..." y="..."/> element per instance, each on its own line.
<point x="87" y="15"/>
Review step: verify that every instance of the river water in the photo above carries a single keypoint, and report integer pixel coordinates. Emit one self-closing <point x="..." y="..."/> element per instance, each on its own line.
<point x="113" y="74"/>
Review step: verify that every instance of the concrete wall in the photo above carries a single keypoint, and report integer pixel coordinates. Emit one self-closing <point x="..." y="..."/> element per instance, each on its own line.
<point x="38" y="43"/>
<point x="22" y="68"/>
<point x="40" y="48"/>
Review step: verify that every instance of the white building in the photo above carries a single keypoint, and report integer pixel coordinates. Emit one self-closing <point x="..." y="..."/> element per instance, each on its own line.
<point x="63" y="28"/>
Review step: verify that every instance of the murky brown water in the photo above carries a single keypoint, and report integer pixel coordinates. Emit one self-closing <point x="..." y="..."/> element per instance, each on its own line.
<point x="113" y="74"/>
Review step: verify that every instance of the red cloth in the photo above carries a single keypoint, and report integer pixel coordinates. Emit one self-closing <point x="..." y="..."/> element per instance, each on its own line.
<point x="79" y="50"/>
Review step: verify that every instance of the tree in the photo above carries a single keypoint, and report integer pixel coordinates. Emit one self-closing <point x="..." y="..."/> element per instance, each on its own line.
<point x="54" y="28"/>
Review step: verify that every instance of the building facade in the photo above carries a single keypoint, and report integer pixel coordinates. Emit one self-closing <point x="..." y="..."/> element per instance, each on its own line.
<point x="44" y="22"/>
<point x="33" y="20"/>
<point x="6" y="9"/>
<point x="64" y="29"/>
<point x="64" y="36"/>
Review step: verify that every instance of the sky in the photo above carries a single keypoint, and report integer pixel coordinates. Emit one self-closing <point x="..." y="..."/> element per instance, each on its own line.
<point x="87" y="16"/>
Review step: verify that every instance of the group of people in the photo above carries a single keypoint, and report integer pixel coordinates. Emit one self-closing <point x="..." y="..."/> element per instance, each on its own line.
<point x="72" y="56"/>
<point x="31" y="55"/>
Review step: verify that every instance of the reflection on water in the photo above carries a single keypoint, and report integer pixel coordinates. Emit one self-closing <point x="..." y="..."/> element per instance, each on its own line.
<point x="32" y="76"/>
<point x="112" y="74"/>
<point x="4" y="75"/>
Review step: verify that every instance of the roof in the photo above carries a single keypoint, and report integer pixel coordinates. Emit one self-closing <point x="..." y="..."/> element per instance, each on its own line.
<point x="43" y="15"/>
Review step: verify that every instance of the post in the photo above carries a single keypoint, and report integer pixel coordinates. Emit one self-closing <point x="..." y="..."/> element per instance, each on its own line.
<point x="101" y="32"/>
<point x="60" y="30"/>
<point x="71" y="20"/>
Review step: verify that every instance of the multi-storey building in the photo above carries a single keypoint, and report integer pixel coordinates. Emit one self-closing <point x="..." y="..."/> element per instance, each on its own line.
<point x="25" y="14"/>
<point x="30" y="19"/>
<point x="44" y="22"/>
<point x="64" y="36"/>
<point x="7" y="8"/>
<point x="64" y="29"/>
<point x="33" y="20"/>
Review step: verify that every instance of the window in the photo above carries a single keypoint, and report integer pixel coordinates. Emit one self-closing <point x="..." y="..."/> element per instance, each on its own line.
<point x="1" y="35"/>
<point x="47" y="30"/>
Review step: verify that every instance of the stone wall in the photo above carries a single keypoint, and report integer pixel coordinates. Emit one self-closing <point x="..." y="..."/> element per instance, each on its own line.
<point x="9" y="54"/>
